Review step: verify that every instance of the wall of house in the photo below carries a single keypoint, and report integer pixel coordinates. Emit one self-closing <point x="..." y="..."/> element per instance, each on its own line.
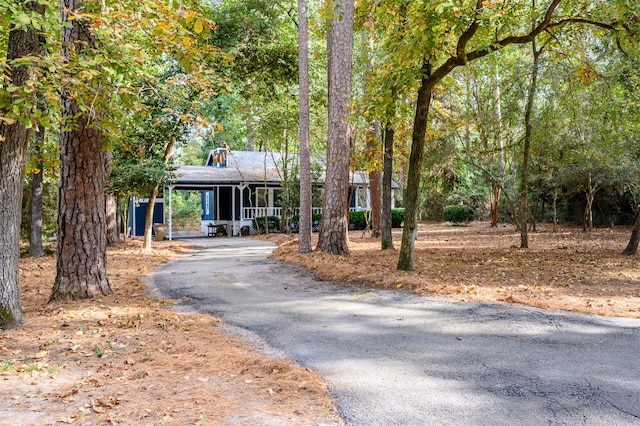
<point x="207" y="202"/>
<point x="138" y="213"/>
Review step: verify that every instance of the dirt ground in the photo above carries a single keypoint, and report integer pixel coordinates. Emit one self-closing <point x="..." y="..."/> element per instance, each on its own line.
<point x="568" y="270"/>
<point x="128" y="359"/>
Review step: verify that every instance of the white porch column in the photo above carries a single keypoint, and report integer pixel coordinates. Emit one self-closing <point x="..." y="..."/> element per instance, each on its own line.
<point x="233" y="210"/>
<point x="217" y="206"/>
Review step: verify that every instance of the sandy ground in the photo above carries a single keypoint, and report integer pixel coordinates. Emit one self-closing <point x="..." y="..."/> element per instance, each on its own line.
<point x="128" y="359"/>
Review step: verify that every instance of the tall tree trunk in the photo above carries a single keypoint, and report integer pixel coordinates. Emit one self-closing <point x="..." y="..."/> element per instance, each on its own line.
<point x="113" y="231"/>
<point x="148" y="222"/>
<point x="412" y="192"/>
<point x="305" y="222"/>
<point x="524" y="172"/>
<point x="35" y="245"/>
<point x="250" y="143"/>
<point x="14" y="138"/>
<point x="334" y="235"/>
<point x="373" y="150"/>
<point x="375" y="178"/>
<point x="386" y="235"/>
<point x="495" y="187"/>
<point x="632" y="247"/>
<point x="82" y="226"/>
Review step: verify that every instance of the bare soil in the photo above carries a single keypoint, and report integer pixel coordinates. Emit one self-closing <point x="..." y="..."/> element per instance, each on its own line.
<point x="128" y="359"/>
<point x="568" y="270"/>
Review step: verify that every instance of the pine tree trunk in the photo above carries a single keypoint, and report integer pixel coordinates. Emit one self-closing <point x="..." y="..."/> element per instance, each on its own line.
<point x="82" y="232"/>
<point x="305" y="221"/>
<point x="35" y="245"/>
<point x="13" y="156"/>
<point x="386" y="232"/>
<point x="334" y="235"/>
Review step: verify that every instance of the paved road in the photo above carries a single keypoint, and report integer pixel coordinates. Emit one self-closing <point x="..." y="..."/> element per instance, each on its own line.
<point x="394" y="359"/>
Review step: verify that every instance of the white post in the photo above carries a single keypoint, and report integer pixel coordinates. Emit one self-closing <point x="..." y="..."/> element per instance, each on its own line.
<point x="233" y="210"/>
<point x="170" y="214"/>
<point x="133" y="218"/>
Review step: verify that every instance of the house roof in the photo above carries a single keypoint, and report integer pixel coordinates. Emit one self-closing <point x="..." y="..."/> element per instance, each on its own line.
<point x="243" y="167"/>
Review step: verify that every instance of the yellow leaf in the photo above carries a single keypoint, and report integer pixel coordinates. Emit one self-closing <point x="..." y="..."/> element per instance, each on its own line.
<point x="187" y="42"/>
<point x="197" y="27"/>
<point x="220" y="127"/>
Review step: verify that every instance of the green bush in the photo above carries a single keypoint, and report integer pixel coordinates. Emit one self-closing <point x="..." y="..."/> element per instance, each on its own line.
<point x="397" y="218"/>
<point x="315" y="222"/>
<point x="458" y="214"/>
<point x="357" y="220"/>
<point x="259" y="223"/>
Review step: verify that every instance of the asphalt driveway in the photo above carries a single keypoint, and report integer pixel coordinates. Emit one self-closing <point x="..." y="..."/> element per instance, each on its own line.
<point x="395" y="359"/>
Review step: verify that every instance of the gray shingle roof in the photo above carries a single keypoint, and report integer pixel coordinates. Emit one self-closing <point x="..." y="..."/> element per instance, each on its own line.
<point x="244" y="167"/>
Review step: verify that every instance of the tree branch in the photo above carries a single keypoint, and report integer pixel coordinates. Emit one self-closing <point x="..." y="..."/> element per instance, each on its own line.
<point x="468" y="35"/>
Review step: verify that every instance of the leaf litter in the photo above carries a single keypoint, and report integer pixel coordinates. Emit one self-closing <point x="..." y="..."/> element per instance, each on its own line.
<point x="128" y="359"/>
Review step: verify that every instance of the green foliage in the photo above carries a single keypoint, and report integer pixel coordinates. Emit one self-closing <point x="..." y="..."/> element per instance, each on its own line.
<point x="358" y="219"/>
<point x="259" y="223"/>
<point x="458" y="214"/>
<point x="187" y="207"/>
<point x="397" y="218"/>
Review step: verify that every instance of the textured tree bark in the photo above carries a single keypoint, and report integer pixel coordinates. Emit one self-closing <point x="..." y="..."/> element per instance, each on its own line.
<point x="412" y="193"/>
<point x="333" y="236"/>
<point x="386" y="235"/>
<point x="13" y="156"/>
<point x="305" y="223"/>
<point x="35" y="243"/>
<point x="82" y="240"/>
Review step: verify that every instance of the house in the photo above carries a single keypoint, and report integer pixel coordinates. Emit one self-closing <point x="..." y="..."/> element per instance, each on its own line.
<point x="237" y="186"/>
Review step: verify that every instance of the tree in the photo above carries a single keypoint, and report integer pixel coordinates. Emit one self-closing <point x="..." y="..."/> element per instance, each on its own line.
<point x="82" y="240"/>
<point x="479" y="32"/>
<point x="24" y="45"/>
<point x="333" y="236"/>
<point x="35" y="245"/>
<point x="386" y="237"/>
<point x="304" y="242"/>
<point x="526" y="149"/>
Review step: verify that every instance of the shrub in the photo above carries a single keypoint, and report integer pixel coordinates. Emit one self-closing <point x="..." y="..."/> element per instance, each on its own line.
<point x="397" y="218"/>
<point x="315" y="222"/>
<point x="357" y="220"/>
<point x="273" y="221"/>
<point x="458" y="214"/>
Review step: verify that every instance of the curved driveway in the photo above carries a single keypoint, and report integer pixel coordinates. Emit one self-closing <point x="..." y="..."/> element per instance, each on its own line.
<point x="396" y="359"/>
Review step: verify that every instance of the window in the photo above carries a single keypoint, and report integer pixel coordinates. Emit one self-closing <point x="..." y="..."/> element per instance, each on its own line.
<point x="262" y="197"/>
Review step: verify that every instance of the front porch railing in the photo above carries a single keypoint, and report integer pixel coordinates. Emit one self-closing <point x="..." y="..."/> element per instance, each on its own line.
<point x="249" y="213"/>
